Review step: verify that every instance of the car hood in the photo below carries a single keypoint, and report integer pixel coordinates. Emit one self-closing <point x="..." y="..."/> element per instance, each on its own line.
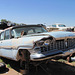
<point x="28" y="40"/>
<point x="60" y="34"/>
<point x="56" y="35"/>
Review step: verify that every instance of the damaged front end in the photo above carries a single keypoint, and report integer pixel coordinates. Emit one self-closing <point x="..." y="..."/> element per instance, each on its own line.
<point x="51" y="47"/>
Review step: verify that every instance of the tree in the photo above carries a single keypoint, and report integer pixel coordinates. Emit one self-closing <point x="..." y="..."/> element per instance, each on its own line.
<point x="4" y="21"/>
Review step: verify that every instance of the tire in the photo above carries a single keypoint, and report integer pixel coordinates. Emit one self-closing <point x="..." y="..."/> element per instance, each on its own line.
<point x="24" y="67"/>
<point x="2" y="66"/>
<point x="24" y="61"/>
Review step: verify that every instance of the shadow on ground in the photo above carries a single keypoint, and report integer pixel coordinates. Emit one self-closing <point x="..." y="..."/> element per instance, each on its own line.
<point x="4" y="71"/>
<point x="52" y="68"/>
<point x="13" y="64"/>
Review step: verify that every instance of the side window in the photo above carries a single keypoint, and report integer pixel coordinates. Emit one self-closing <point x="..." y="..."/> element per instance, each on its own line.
<point x="7" y="34"/>
<point x="53" y="25"/>
<point x="2" y="36"/>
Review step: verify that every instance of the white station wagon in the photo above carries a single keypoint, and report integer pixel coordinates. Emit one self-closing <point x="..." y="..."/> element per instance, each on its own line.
<point x="33" y="43"/>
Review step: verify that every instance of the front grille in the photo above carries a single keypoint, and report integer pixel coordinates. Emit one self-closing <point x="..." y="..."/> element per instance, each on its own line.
<point x="59" y="45"/>
<point x="71" y="42"/>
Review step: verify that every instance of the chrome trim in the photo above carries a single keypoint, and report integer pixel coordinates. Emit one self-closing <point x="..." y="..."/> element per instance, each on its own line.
<point x="64" y="38"/>
<point x="41" y="57"/>
<point x="14" y="47"/>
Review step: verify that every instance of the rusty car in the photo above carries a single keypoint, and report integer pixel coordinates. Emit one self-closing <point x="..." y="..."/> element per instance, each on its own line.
<point x="33" y="44"/>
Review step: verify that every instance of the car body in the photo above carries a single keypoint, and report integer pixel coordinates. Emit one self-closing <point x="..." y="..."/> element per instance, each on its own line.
<point x="32" y="44"/>
<point x="36" y="41"/>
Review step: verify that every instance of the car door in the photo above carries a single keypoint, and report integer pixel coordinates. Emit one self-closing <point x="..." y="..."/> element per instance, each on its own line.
<point x="7" y="46"/>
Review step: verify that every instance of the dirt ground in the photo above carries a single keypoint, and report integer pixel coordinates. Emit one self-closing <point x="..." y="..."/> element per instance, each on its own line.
<point x="11" y="72"/>
<point x="51" y="68"/>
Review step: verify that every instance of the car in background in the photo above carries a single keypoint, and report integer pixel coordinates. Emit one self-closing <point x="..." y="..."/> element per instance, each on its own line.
<point x="57" y="27"/>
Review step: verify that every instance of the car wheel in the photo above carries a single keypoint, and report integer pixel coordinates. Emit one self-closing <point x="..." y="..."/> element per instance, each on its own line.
<point x="2" y="66"/>
<point x="24" y="67"/>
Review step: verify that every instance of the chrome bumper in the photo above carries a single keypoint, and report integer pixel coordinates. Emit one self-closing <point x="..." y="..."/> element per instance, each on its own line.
<point x="51" y="55"/>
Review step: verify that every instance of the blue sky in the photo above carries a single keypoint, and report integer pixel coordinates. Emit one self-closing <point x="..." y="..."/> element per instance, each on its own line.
<point x="38" y="11"/>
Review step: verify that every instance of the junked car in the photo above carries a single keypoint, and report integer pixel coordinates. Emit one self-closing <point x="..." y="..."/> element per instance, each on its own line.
<point x="32" y="43"/>
<point x="60" y="27"/>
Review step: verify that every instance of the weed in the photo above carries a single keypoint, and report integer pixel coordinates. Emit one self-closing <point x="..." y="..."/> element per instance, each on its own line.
<point x="8" y="66"/>
<point x="1" y="60"/>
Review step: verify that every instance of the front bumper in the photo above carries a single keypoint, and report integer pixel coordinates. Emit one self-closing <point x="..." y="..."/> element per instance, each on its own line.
<point x="51" y="55"/>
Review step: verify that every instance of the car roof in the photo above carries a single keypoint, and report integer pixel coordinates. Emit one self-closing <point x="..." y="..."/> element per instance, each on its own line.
<point x="21" y="26"/>
<point x="25" y="26"/>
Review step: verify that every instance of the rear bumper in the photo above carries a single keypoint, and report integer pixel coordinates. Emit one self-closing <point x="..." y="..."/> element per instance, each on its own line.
<point x="51" y="55"/>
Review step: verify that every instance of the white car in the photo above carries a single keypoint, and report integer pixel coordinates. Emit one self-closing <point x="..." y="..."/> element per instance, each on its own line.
<point x="57" y="27"/>
<point x="33" y="43"/>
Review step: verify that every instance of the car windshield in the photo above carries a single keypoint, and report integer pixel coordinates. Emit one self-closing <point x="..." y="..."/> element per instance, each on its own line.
<point x="61" y="25"/>
<point x="27" y="30"/>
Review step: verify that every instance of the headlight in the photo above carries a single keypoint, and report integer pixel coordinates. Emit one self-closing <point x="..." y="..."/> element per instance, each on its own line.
<point x="42" y="43"/>
<point x="47" y="42"/>
<point x="39" y="43"/>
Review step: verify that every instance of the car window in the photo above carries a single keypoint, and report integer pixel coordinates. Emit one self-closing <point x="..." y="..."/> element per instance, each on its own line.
<point x="30" y="31"/>
<point x="7" y="34"/>
<point x="27" y="30"/>
<point x="2" y="36"/>
<point x="12" y="34"/>
<point x="61" y="25"/>
<point x="39" y="30"/>
<point x="53" y="25"/>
